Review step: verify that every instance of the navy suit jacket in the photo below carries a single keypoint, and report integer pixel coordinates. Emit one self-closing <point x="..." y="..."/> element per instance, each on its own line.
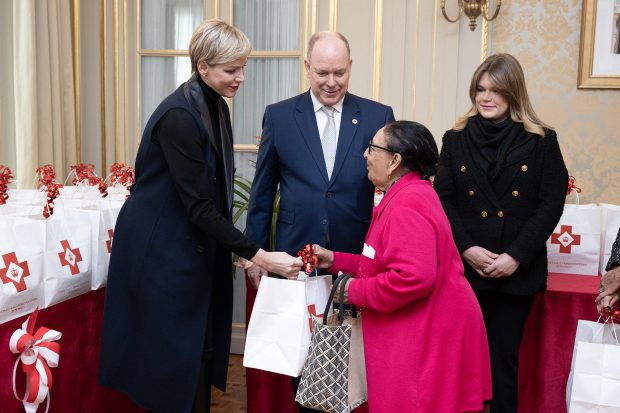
<point x="312" y="208"/>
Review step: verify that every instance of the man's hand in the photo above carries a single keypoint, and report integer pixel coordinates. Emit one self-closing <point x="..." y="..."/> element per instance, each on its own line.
<point x="254" y="273"/>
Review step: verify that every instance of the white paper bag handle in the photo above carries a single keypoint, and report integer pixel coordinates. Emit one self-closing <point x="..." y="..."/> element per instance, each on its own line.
<point x="602" y="326"/>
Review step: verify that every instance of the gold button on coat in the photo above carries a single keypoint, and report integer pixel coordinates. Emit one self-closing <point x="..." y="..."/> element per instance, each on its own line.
<point x="471" y="193"/>
<point x="463" y="168"/>
<point x="524" y="168"/>
<point x="484" y="214"/>
<point x="500" y="214"/>
<point x="515" y="193"/>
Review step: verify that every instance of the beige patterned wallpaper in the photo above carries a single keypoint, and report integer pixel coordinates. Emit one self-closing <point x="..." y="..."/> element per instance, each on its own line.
<point x="544" y="36"/>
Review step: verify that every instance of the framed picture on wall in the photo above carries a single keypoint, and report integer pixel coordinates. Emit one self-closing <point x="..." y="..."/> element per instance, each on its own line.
<point x="599" y="53"/>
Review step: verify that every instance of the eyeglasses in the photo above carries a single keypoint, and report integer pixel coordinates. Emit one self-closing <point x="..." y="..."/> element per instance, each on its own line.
<point x="372" y="145"/>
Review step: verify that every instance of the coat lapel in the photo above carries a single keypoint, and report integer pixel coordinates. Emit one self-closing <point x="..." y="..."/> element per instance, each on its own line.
<point x="194" y="95"/>
<point x="482" y="181"/>
<point x="349" y="123"/>
<point x="306" y="122"/>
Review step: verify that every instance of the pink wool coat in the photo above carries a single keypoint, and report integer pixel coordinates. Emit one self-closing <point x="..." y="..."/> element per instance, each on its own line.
<point x="424" y="339"/>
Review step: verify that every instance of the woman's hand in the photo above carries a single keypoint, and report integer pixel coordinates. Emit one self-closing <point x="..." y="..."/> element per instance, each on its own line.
<point x="345" y="299"/>
<point x="609" y="290"/>
<point x="325" y="256"/>
<point x="278" y="262"/>
<point x="479" y="258"/>
<point x="503" y="266"/>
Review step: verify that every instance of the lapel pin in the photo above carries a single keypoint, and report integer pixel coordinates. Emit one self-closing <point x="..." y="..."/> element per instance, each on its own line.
<point x="354" y="121"/>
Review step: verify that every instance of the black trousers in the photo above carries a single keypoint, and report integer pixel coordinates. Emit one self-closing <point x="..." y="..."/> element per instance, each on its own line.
<point x="504" y="318"/>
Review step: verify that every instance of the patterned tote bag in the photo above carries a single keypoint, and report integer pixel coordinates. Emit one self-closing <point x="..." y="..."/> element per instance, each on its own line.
<point x="334" y="374"/>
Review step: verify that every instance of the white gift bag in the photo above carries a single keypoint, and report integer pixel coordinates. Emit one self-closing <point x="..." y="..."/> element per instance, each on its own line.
<point x="575" y="244"/>
<point x="610" y="224"/>
<point x="594" y="381"/>
<point x="278" y="333"/>
<point x="68" y="254"/>
<point x="109" y="211"/>
<point x="22" y="245"/>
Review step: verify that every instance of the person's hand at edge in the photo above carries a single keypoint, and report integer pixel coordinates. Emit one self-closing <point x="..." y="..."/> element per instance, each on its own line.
<point x="609" y="290"/>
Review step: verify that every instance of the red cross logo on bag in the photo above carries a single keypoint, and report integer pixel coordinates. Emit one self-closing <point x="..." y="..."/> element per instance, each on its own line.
<point x="312" y="311"/>
<point x="566" y="239"/>
<point x="70" y="257"/>
<point x="14" y="272"/>
<point x="108" y="243"/>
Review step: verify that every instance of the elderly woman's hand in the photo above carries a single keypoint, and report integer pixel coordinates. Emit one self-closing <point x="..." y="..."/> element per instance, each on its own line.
<point x="609" y="290"/>
<point x="325" y="256"/>
<point x="345" y="299"/>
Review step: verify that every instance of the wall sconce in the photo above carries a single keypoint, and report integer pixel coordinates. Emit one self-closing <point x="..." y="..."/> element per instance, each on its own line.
<point x="472" y="9"/>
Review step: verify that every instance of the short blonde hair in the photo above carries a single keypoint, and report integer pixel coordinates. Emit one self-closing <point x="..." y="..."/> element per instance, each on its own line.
<point x="507" y="76"/>
<point x="216" y="42"/>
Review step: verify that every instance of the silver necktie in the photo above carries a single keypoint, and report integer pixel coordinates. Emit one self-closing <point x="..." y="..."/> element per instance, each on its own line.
<point x="330" y="140"/>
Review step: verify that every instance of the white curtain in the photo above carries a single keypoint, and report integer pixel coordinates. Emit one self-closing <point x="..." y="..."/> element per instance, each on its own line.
<point x="38" y="111"/>
<point x="271" y="25"/>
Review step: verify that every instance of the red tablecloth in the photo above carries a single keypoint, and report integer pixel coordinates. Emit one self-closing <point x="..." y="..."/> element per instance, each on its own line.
<point x="545" y="358"/>
<point x="75" y="387"/>
<point x="547" y="346"/>
<point x="546" y="354"/>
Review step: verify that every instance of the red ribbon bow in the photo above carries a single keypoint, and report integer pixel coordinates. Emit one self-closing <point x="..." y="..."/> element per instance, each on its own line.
<point x="121" y="175"/>
<point x="571" y="186"/>
<point x="614" y="314"/>
<point x="47" y="182"/>
<point x="36" y="352"/>
<point x="308" y="258"/>
<point x="85" y="173"/>
<point x="6" y="177"/>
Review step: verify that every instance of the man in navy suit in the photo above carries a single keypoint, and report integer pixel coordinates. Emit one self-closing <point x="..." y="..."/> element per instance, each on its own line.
<point x="312" y="146"/>
<point x="330" y="205"/>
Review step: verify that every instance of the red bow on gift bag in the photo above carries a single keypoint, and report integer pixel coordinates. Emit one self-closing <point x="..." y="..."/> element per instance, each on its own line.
<point x="36" y="353"/>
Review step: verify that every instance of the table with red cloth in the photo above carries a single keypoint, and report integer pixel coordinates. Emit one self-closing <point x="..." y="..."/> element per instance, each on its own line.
<point x="545" y="355"/>
<point x="545" y="358"/>
<point x="75" y="387"/>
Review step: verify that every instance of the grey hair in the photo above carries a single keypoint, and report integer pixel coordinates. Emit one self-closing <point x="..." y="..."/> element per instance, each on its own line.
<point x="322" y="35"/>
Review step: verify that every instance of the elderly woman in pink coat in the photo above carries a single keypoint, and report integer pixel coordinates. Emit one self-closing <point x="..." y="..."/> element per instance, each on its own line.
<point x="424" y="337"/>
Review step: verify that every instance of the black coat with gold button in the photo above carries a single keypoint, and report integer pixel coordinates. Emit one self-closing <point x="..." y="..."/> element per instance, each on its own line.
<point x="514" y="214"/>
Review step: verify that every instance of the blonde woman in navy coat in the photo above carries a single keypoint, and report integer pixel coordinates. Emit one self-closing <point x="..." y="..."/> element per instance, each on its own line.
<point x="502" y="182"/>
<point x="168" y="309"/>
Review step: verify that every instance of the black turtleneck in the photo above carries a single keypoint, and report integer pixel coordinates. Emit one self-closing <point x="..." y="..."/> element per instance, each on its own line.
<point x="179" y="138"/>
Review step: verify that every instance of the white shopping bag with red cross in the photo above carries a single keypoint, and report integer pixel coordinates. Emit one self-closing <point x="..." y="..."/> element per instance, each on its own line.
<point x="109" y="211"/>
<point x="68" y="253"/>
<point x="575" y="244"/>
<point x="610" y="225"/>
<point x="22" y="247"/>
<point x="278" y="335"/>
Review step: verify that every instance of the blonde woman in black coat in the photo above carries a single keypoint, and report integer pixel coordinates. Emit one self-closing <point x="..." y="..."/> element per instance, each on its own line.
<point x="502" y="182"/>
